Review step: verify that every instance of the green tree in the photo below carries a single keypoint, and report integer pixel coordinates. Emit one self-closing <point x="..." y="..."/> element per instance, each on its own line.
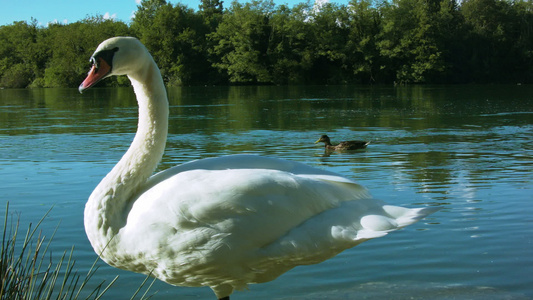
<point x="450" y="34"/>
<point x="487" y="32"/>
<point x="176" y="37"/>
<point x="291" y="51"/>
<point x="408" y="41"/>
<point x="363" y="54"/>
<point x="22" y="54"/>
<point x="330" y="31"/>
<point x="499" y="40"/>
<point x="523" y="36"/>
<point x="146" y="12"/>
<point x="211" y="11"/>
<point x="71" y="46"/>
<point x="241" y="42"/>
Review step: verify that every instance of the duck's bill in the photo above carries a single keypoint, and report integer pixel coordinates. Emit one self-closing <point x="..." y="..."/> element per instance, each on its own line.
<point x="98" y="72"/>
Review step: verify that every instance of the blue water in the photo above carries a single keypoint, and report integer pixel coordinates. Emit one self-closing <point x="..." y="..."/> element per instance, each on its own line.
<point x="467" y="149"/>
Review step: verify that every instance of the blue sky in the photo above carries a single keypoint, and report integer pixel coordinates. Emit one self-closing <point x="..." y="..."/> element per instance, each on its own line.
<point x="70" y="11"/>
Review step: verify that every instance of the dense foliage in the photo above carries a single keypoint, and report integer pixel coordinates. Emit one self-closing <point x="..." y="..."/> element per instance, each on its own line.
<point x="366" y="41"/>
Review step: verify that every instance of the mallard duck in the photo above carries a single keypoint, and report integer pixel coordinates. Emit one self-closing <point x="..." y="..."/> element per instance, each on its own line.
<point x="346" y="145"/>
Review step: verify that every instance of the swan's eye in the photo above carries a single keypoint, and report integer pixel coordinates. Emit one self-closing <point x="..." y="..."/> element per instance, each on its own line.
<point x="94" y="62"/>
<point x="105" y="55"/>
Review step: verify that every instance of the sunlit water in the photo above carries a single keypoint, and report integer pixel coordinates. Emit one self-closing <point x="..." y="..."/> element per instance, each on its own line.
<point x="466" y="148"/>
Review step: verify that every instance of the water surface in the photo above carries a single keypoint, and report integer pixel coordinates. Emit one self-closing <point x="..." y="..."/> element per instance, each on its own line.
<point x="465" y="148"/>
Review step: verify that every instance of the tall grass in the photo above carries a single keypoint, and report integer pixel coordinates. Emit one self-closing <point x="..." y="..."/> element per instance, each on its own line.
<point x="28" y="272"/>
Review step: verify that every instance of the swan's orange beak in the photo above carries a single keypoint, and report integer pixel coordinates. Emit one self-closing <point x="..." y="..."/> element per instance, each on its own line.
<point x="98" y="71"/>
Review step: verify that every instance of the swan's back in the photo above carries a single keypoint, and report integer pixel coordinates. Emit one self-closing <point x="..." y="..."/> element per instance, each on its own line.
<point x="245" y="161"/>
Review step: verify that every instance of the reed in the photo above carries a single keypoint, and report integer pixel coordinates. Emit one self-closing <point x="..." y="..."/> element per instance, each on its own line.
<point x="28" y="270"/>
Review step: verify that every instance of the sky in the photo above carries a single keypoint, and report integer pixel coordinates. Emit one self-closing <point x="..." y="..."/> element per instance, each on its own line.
<point x="70" y="11"/>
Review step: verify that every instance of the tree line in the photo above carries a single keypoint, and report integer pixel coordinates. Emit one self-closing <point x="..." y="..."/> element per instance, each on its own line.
<point x="258" y="42"/>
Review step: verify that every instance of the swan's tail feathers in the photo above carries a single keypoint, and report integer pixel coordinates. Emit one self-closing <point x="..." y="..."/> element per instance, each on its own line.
<point x="406" y="216"/>
<point x="394" y="218"/>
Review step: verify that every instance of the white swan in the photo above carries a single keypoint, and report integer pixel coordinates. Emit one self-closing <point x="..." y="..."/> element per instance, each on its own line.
<point x="218" y="222"/>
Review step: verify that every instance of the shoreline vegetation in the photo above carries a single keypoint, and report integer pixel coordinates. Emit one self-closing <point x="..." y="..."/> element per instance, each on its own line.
<point x="29" y="270"/>
<point x="258" y="42"/>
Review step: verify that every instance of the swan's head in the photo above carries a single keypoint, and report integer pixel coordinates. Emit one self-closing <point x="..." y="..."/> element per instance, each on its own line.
<point x="324" y="139"/>
<point x="115" y="56"/>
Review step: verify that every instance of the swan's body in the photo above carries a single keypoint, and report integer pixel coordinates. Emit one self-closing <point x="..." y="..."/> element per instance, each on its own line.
<point x="219" y="222"/>
<point x="346" y="145"/>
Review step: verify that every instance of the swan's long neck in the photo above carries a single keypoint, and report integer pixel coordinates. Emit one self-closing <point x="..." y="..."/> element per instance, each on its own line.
<point x="109" y="204"/>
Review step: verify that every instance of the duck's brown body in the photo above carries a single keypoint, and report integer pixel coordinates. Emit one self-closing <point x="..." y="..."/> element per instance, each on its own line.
<point x="346" y="145"/>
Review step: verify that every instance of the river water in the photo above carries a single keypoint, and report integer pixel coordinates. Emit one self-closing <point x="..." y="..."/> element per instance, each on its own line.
<point x="466" y="148"/>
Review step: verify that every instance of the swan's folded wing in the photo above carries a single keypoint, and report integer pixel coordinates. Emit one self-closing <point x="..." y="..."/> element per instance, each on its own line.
<point x="340" y="228"/>
<point x="255" y="206"/>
